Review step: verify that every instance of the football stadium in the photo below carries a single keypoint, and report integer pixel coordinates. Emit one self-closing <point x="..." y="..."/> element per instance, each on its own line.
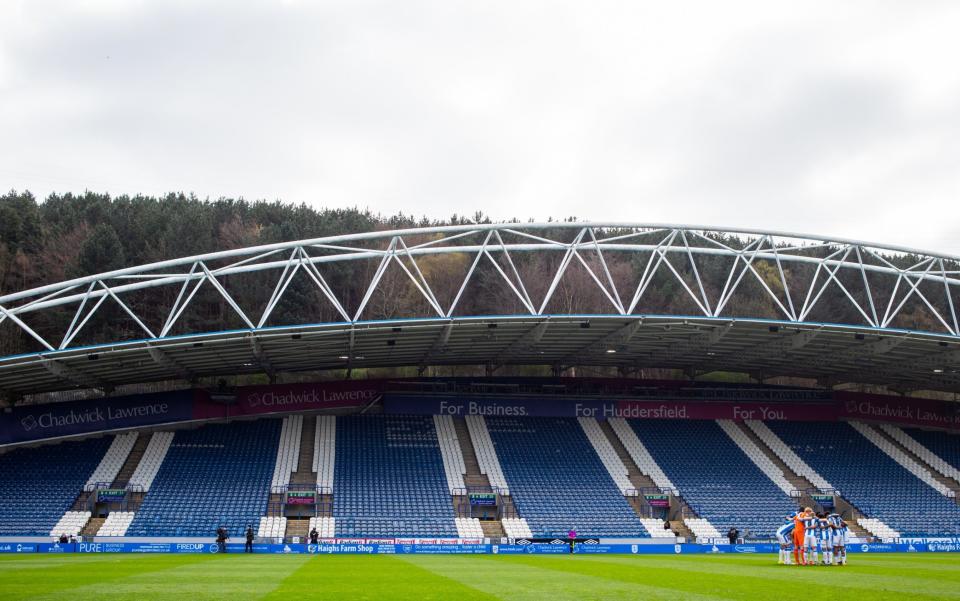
<point x="487" y="411"/>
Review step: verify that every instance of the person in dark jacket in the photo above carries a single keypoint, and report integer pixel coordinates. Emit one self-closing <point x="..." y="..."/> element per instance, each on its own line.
<point x="314" y="536"/>
<point x="222" y="539"/>
<point x="732" y="534"/>
<point x="248" y="548"/>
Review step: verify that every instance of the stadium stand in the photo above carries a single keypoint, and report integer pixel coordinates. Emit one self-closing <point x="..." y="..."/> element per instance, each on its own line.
<point x="940" y="450"/>
<point x="786" y="454"/>
<point x="71" y="523"/>
<point x="608" y="456"/>
<point x="516" y="528"/>
<point x="272" y="527"/>
<point x="116" y="523"/>
<point x="112" y="460"/>
<point x="759" y="458"/>
<point x="702" y="529"/>
<point x="557" y="480"/>
<point x="389" y="478"/>
<point x="38" y="485"/>
<point x="149" y="464"/>
<point x="639" y="453"/>
<point x="326" y="526"/>
<point x="486" y="454"/>
<point x="902" y="458"/>
<point x="656" y="529"/>
<point x="215" y="475"/>
<point x="714" y="476"/>
<point x="453" y="466"/>
<point x="880" y="530"/>
<point x="870" y="479"/>
<point x="469" y="528"/>
<point x="325" y="450"/>
<point x="288" y="452"/>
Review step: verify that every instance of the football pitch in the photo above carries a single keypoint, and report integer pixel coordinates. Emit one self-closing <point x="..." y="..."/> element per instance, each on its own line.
<point x="513" y="578"/>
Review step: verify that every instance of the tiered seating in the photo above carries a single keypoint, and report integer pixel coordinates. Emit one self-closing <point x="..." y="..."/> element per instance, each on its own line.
<point x="940" y="449"/>
<point x="326" y="526"/>
<point x="469" y="528"/>
<point x="272" y="527"/>
<point x="38" y="485"/>
<point x="389" y="478"/>
<point x="879" y="529"/>
<point x="702" y="529"/>
<point x="116" y="523"/>
<point x="453" y="465"/>
<point x="656" y="529"/>
<point x="288" y="452"/>
<point x="557" y="481"/>
<point x="714" y="476"/>
<point x="212" y="476"/>
<point x="71" y="523"/>
<point x="516" y="528"/>
<point x="639" y="453"/>
<point x="486" y="454"/>
<point x="152" y="458"/>
<point x="756" y="455"/>
<point x="786" y="454"/>
<point x="112" y="461"/>
<point x="609" y="458"/>
<point x="870" y="479"/>
<point x="897" y="454"/>
<point x="325" y="450"/>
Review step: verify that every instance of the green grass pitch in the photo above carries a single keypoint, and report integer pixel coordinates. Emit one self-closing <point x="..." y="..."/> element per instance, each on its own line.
<point x="513" y="578"/>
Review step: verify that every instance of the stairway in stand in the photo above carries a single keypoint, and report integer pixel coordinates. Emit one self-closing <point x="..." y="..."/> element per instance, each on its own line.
<point x="682" y="530"/>
<point x="305" y="473"/>
<point x="798" y="481"/>
<point x="492" y="529"/>
<point x="946" y="481"/>
<point x="306" y="478"/>
<point x="92" y="527"/>
<point x="133" y="460"/>
<point x="473" y="478"/>
<point x="636" y="477"/>
<point x="297" y="527"/>
<point x="80" y="504"/>
<point x="640" y="481"/>
<point x="477" y="482"/>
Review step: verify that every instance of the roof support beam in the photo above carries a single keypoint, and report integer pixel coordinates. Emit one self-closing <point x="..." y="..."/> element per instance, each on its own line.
<point x="619" y="337"/>
<point x="75" y="377"/>
<point x="261" y="356"/>
<point x="696" y="343"/>
<point x="162" y="359"/>
<point x="943" y="361"/>
<point x="768" y="352"/>
<point x="529" y="339"/>
<point x="439" y="344"/>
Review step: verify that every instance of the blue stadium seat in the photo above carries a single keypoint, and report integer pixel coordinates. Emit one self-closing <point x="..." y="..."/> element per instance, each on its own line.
<point x="715" y="477"/>
<point x="872" y="481"/>
<point x="215" y="475"/>
<point x="38" y="485"/>
<point x="943" y="444"/>
<point x="557" y="481"/>
<point x="389" y="478"/>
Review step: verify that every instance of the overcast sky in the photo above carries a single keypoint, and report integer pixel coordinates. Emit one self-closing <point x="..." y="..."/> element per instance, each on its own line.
<point x="838" y="118"/>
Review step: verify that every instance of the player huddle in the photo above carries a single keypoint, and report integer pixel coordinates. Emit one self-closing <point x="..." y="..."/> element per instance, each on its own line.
<point x="811" y="535"/>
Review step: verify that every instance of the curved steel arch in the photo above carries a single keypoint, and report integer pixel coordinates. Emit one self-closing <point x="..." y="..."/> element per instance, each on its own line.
<point x="927" y="279"/>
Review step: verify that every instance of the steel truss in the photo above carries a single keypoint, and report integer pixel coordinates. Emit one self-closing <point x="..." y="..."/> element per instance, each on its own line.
<point x="880" y="283"/>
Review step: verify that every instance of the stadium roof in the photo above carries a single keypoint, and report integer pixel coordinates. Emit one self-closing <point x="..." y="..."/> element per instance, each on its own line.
<point x="716" y="272"/>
